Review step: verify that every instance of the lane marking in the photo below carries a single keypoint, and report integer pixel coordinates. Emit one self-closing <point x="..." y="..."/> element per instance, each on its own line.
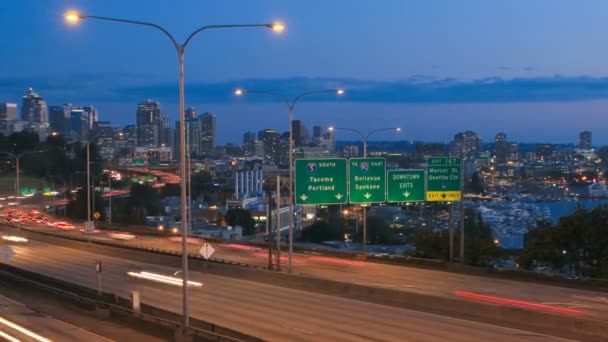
<point x="24" y="330"/>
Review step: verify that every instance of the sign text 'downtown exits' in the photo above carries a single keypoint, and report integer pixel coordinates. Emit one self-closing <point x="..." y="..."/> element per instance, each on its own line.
<point x="406" y="186"/>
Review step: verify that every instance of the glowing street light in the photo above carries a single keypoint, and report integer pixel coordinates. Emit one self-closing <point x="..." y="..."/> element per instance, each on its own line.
<point x="290" y="104"/>
<point x="73" y="17"/>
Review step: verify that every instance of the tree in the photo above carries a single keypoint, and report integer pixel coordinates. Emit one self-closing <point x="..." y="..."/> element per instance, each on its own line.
<point x="241" y="217"/>
<point x="201" y="183"/>
<point x="322" y="231"/>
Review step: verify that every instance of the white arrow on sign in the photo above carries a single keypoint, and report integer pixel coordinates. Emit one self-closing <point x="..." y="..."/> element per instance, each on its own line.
<point x="6" y="253"/>
<point x="367" y="195"/>
<point x="406" y="194"/>
<point x="206" y="250"/>
<point x="304" y="197"/>
<point x="339" y="196"/>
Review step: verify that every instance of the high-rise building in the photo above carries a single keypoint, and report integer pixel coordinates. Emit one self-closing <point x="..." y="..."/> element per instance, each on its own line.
<point x="502" y="148"/>
<point x="8" y="115"/>
<point x="190" y="113"/>
<point x="193" y="137"/>
<point x="34" y="109"/>
<point x="149" y="124"/>
<point x="584" y="140"/>
<point x="208" y="133"/>
<point x="91" y="114"/>
<point x="249" y="143"/>
<point x="270" y="138"/>
<point x="300" y="133"/>
<point x="59" y="119"/>
<point x="317" y="131"/>
<point x="466" y="143"/>
<point x="79" y="124"/>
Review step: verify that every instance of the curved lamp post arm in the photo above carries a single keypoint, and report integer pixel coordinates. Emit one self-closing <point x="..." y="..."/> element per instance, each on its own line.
<point x="363" y="137"/>
<point x="265" y="92"/>
<point x="135" y="22"/>
<point x="395" y="129"/>
<point x="271" y="26"/>
<point x="299" y="97"/>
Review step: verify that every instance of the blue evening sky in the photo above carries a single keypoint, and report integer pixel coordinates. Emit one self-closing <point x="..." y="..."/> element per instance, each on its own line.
<point x="537" y="70"/>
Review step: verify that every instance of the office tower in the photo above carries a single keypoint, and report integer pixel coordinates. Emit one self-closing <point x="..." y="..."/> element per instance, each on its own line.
<point x="190" y="113"/>
<point x="466" y="143"/>
<point x="502" y="148"/>
<point x="34" y="109"/>
<point x="91" y="114"/>
<point x="270" y="139"/>
<point x="208" y="134"/>
<point x="149" y="122"/>
<point x="317" y="132"/>
<point x="59" y="119"/>
<point x="79" y="124"/>
<point x="249" y="143"/>
<point x="8" y="115"/>
<point x="300" y="133"/>
<point x="584" y="140"/>
<point x="193" y="137"/>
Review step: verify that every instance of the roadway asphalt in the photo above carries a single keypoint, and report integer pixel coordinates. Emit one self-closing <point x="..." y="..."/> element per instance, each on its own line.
<point x="437" y="283"/>
<point x="270" y="312"/>
<point x="15" y="317"/>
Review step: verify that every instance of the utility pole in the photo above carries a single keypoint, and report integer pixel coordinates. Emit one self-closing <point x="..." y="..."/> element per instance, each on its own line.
<point x="451" y="230"/>
<point x="462" y="209"/>
<point x="278" y="223"/>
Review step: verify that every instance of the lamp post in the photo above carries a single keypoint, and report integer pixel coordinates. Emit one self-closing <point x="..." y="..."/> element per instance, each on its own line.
<point x="17" y="158"/>
<point x="364" y="138"/>
<point x="73" y="17"/>
<point x="290" y="104"/>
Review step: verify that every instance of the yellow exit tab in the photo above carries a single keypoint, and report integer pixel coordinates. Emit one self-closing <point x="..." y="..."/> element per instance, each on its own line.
<point x="447" y="196"/>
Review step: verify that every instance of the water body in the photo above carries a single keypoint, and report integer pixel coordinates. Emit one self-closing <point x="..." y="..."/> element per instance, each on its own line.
<point x="560" y="209"/>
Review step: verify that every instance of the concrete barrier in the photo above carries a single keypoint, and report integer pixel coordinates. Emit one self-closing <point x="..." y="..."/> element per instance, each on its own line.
<point x="541" y="322"/>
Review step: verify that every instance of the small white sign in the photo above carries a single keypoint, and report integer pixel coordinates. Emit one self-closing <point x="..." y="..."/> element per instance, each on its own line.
<point x="206" y="251"/>
<point x="89" y="227"/>
<point x="6" y="253"/>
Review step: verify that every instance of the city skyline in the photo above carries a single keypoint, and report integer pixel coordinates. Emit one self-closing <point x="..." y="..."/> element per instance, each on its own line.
<point x="447" y="68"/>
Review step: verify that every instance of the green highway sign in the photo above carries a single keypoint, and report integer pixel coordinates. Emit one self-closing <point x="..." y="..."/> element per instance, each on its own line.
<point x="443" y="179"/>
<point x="406" y="186"/>
<point x="320" y="181"/>
<point x="367" y="180"/>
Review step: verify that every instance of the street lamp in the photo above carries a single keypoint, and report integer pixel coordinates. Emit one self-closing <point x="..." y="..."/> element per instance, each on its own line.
<point x="364" y="138"/>
<point x="17" y="158"/>
<point x="73" y="17"/>
<point x="290" y="104"/>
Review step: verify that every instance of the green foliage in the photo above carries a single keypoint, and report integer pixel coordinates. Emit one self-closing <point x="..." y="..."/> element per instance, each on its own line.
<point x="579" y="241"/>
<point x="322" y="231"/>
<point x="241" y="217"/>
<point x="202" y="183"/>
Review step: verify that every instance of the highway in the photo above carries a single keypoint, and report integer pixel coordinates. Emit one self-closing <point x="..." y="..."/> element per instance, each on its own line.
<point x="566" y="301"/>
<point x="270" y="312"/>
<point x="20" y="323"/>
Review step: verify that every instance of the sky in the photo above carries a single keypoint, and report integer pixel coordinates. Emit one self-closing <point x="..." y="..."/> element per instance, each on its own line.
<point x="536" y="70"/>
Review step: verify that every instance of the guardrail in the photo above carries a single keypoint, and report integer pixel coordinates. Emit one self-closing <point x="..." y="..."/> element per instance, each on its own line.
<point x="107" y="301"/>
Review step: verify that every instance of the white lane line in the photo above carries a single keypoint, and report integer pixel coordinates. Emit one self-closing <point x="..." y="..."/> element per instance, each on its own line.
<point x="24" y="330"/>
<point x="8" y="337"/>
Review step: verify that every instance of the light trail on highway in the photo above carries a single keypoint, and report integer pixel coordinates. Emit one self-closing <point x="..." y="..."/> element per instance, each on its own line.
<point x="241" y="305"/>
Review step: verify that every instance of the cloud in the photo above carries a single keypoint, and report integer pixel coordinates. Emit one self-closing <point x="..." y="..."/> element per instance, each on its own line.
<point x="418" y="89"/>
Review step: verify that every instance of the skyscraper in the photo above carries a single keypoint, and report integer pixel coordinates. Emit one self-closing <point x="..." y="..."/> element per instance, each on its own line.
<point x="466" y="143"/>
<point x="502" y="148"/>
<point x="193" y="136"/>
<point x="208" y="133"/>
<point x="190" y="113"/>
<point x="249" y="143"/>
<point x="59" y="118"/>
<point x="8" y="114"/>
<point x="300" y="133"/>
<point x="584" y="140"/>
<point x="149" y="122"/>
<point x="270" y="138"/>
<point x="79" y="124"/>
<point x="34" y="109"/>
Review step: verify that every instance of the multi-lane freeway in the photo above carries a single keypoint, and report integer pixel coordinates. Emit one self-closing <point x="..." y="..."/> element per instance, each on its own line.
<point x="270" y="312"/>
<point x="532" y="296"/>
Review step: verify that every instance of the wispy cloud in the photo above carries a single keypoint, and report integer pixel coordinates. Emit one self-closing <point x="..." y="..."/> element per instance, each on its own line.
<point x="421" y="89"/>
